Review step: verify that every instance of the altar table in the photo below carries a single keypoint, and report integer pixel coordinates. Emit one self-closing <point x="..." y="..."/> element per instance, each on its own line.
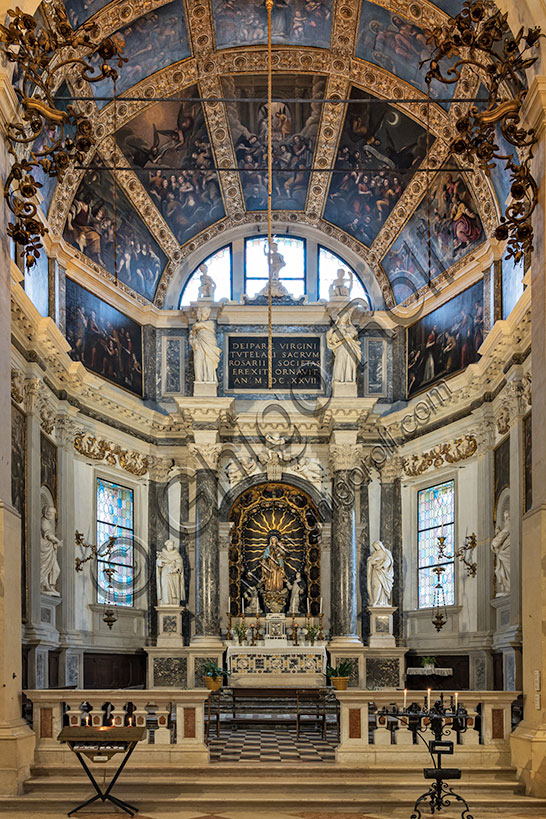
<point x="279" y="666"/>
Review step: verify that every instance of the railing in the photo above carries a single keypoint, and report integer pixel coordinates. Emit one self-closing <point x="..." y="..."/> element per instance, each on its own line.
<point x="367" y="734"/>
<point x="174" y="722"/>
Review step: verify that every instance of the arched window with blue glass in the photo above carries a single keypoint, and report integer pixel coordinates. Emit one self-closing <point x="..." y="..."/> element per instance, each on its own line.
<point x="328" y="266"/>
<point x="218" y="267"/>
<point x="292" y="274"/>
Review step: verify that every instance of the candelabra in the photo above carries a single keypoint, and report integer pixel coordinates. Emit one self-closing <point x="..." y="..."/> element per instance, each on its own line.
<point x="321" y="632"/>
<point x="252" y="634"/>
<point x="440" y="719"/>
<point x="229" y="633"/>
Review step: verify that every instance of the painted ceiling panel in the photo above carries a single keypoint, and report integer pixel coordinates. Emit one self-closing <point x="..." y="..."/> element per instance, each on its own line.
<point x="391" y="41"/>
<point x="293" y="22"/>
<point x="90" y="228"/>
<point x="294" y="131"/>
<point x="153" y="41"/>
<point x="379" y="151"/>
<point x="169" y="147"/>
<point x="81" y="10"/>
<point x="455" y="230"/>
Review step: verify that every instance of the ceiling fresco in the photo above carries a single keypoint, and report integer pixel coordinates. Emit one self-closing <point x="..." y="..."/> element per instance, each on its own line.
<point x="174" y="135"/>
<point x="352" y="170"/>
<point x="90" y="228"/>
<point x="293" y="22"/>
<point x="378" y="153"/>
<point x="151" y="42"/>
<point x="455" y="230"/>
<point x="392" y="41"/>
<point x="293" y="132"/>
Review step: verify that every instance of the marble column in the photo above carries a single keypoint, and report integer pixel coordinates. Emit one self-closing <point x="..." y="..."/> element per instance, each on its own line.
<point x="528" y="741"/>
<point x="364" y="547"/>
<point x="207" y="559"/>
<point x="390" y="533"/>
<point x="71" y="660"/>
<point x="16" y="738"/>
<point x="158" y="532"/>
<point x="343" y="573"/>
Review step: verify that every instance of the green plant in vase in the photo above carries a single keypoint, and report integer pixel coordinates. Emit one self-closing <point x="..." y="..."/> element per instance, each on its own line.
<point x="312" y="632"/>
<point x="213" y="675"/>
<point x="240" y="631"/>
<point x="339" y="675"/>
<point x="428" y="662"/>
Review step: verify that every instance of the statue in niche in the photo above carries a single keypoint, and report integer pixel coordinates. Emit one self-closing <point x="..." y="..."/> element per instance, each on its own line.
<point x="206" y="352"/>
<point x="169" y="575"/>
<point x="207" y="284"/>
<point x="49" y="543"/>
<point x="339" y="287"/>
<point x="276" y="261"/>
<point x="273" y="574"/>
<point x="252" y="606"/>
<point x="380" y="575"/>
<point x="296" y="594"/>
<point x="342" y="340"/>
<point x="500" y="546"/>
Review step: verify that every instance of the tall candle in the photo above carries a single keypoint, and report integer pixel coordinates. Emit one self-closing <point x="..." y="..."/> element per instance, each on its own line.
<point x="229" y="605"/>
<point x="308" y="609"/>
<point x="243" y="604"/>
<point x="320" y="605"/>
<point x="405" y="697"/>
<point x="456" y="701"/>
<point x="428" y="699"/>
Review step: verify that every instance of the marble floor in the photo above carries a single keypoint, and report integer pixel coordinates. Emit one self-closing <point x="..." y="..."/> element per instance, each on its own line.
<point x="261" y="745"/>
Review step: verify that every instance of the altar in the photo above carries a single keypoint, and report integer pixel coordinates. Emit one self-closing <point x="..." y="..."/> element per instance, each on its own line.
<point x="290" y="666"/>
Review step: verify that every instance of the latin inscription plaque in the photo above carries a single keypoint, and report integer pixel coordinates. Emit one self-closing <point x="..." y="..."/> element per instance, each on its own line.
<point x="296" y="363"/>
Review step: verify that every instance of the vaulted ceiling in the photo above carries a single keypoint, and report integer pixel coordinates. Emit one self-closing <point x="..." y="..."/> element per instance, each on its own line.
<point x="189" y="170"/>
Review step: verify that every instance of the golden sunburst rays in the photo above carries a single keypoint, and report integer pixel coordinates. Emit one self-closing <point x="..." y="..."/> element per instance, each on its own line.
<point x="286" y="524"/>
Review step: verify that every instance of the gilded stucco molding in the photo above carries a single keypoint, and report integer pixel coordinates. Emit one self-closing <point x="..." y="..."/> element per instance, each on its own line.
<point x="451" y="452"/>
<point x="99" y="449"/>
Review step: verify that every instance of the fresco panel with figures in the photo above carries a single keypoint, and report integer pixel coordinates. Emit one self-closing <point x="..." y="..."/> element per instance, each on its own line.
<point x="392" y="42"/>
<point x="153" y="41"/>
<point x="81" y="10"/>
<point x="105" y="341"/>
<point x="379" y="150"/>
<point x="90" y="228"/>
<point x="446" y="340"/>
<point x="294" y="132"/>
<point x="455" y="230"/>
<point x="293" y="22"/>
<point x="174" y="134"/>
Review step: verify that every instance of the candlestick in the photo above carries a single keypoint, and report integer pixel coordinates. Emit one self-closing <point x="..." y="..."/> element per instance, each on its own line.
<point x="252" y="634"/>
<point x="258" y="633"/>
<point x="308" y="607"/>
<point x="243" y="606"/>
<point x="405" y="698"/>
<point x="293" y="633"/>
<point x="428" y="699"/>
<point x="320" y="609"/>
<point x="296" y="635"/>
<point x="456" y="701"/>
<point x="321" y="633"/>
<point x="229" y="634"/>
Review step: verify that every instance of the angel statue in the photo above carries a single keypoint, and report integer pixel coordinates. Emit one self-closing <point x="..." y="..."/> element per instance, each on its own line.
<point x="339" y="287"/>
<point x="276" y="262"/>
<point x="207" y="285"/>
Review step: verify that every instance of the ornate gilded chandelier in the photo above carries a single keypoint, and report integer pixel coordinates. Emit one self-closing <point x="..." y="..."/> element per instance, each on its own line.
<point x="479" y="37"/>
<point x="42" y="58"/>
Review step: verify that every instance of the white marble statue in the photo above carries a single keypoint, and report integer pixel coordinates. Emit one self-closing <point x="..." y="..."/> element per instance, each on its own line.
<point x="342" y="340"/>
<point x="380" y="575"/>
<point x="207" y="285"/>
<point x="241" y="468"/>
<point x="339" y="287"/>
<point x="169" y="575"/>
<point x="310" y="470"/>
<point x="277" y="263"/>
<point x="206" y="352"/>
<point x="253" y="605"/>
<point x="296" y="593"/>
<point x="49" y="543"/>
<point x="500" y="546"/>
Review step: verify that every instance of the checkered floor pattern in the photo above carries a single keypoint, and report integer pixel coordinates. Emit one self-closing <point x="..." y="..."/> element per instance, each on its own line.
<point x="267" y="745"/>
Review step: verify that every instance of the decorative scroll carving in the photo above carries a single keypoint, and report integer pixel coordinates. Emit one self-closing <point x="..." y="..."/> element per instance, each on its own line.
<point x="205" y="456"/>
<point x="344" y="457"/>
<point x="452" y="452"/>
<point x="101" y="450"/>
<point x="17" y="385"/>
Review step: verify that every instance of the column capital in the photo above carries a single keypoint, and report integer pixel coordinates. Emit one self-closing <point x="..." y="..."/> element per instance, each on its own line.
<point x="160" y="469"/>
<point x="205" y="456"/>
<point x="31" y="396"/>
<point x="392" y="470"/>
<point x="344" y="457"/>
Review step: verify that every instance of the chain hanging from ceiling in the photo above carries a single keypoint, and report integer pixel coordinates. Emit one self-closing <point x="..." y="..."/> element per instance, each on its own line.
<point x="479" y="37"/>
<point x="43" y="57"/>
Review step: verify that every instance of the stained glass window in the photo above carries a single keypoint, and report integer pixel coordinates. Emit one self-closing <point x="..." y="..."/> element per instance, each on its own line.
<point x="328" y="265"/>
<point x="219" y="269"/>
<point x="435" y="517"/>
<point x="115" y="517"/>
<point x="292" y="275"/>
